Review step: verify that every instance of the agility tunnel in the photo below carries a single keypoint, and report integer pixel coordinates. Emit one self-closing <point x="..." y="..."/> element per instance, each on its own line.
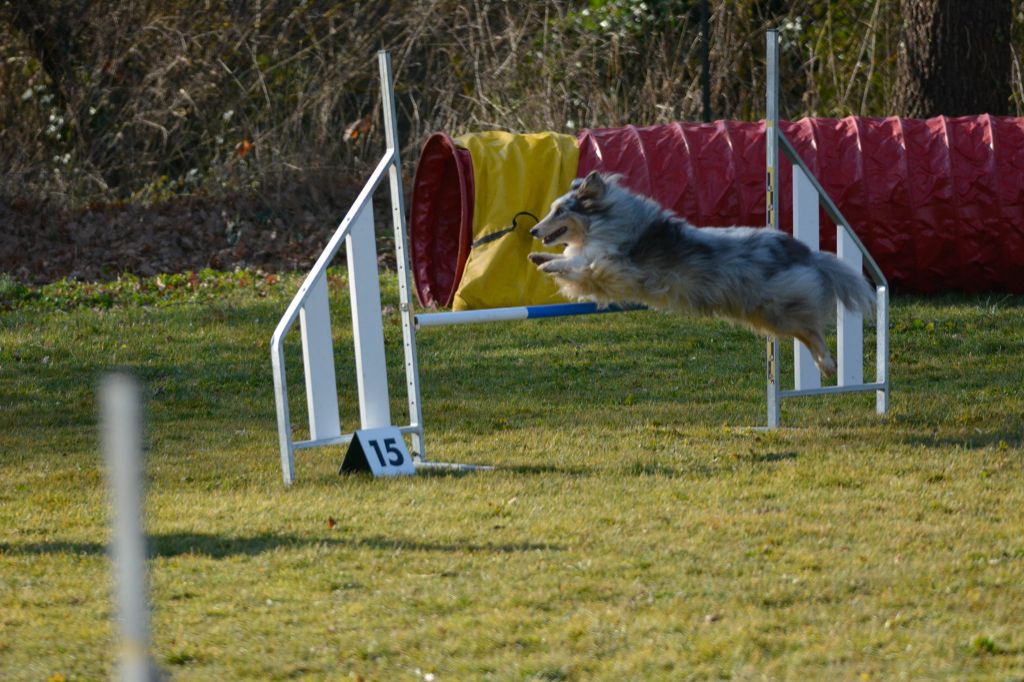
<point x="938" y="202"/>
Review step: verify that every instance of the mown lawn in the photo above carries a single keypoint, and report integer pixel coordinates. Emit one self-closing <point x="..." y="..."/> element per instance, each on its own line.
<point x="634" y="527"/>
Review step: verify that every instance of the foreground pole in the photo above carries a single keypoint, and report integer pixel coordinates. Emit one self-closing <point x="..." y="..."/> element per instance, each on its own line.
<point x="121" y="424"/>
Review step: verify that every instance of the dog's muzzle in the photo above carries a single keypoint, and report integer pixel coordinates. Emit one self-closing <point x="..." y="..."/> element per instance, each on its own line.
<point x="551" y="238"/>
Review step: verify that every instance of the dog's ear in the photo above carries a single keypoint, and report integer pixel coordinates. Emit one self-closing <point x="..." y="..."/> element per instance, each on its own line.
<point x="591" y="187"/>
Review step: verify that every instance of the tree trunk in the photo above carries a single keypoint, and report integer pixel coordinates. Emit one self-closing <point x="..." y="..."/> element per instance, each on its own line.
<point x="48" y="29"/>
<point x="954" y="58"/>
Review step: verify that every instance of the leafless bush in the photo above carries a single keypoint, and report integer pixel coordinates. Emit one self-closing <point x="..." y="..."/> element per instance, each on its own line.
<point x="140" y="101"/>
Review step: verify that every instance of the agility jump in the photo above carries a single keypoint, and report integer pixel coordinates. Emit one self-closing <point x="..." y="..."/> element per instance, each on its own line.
<point x="310" y="305"/>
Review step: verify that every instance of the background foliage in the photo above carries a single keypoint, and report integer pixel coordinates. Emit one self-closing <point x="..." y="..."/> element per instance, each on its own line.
<point x="139" y="101"/>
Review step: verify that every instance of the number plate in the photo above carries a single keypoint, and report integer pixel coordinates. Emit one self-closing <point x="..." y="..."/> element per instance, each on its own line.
<point x="380" y="451"/>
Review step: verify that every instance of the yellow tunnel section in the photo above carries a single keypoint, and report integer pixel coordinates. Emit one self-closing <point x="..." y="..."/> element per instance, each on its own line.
<point x="512" y="173"/>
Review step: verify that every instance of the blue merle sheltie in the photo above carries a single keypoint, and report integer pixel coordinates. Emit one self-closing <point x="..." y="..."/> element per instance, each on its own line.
<point x="624" y="248"/>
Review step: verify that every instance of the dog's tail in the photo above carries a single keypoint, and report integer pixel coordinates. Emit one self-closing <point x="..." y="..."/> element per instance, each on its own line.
<point x="848" y="285"/>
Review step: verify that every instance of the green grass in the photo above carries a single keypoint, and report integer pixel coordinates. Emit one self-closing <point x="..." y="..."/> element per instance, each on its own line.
<point x="635" y="528"/>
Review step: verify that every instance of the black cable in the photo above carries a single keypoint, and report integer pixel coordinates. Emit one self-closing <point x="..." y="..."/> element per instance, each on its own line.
<point x="502" y="232"/>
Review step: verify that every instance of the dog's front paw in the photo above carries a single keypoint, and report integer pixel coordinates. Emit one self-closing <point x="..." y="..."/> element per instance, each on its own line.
<point x="539" y="258"/>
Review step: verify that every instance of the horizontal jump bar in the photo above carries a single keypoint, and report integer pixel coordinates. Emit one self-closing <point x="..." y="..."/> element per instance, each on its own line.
<point x="529" y="312"/>
<point x="346" y="438"/>
<point x="825" y="390"/>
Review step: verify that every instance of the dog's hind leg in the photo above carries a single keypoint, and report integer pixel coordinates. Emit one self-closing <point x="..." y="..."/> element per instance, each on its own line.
<point x="804" y="326"/>
<point x="819" y="351"/>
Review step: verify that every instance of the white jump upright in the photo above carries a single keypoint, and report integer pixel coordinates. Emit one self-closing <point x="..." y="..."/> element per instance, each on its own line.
<point x="849" y="323"/>
<point x="806" y="229"/>
<point x="808" y="198"/>
<point x="311" y="305"/>
<point x="318" y="363"/>
<point x="367" y="323"/>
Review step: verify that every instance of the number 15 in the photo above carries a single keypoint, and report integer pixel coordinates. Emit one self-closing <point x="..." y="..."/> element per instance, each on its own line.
<point x="390" y="445"/>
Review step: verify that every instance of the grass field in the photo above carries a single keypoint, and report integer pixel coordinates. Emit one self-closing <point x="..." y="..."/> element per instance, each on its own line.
<point x="634" y="528"/>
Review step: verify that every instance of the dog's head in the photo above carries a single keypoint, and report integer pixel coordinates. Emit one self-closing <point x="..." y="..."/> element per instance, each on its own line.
<point x="572" y="213"/>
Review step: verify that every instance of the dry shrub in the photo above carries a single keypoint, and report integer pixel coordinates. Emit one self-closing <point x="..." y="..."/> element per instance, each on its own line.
<point x="109" y="101"/>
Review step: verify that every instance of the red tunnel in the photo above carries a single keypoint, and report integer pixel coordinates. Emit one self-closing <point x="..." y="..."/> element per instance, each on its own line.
<point x="939" y="203"/>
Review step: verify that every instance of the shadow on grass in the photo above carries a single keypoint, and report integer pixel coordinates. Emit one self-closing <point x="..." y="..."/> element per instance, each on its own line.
<point x="641" y="467"/>
<point x="436" y="469"/>
<point x="772" y="457"/>
<point x="204" y="545"/>
<point x="544" y="469"/>
<point x="976" y="440"/>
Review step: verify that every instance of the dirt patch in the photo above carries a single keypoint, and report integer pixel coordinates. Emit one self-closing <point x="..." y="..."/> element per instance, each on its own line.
<point x="39" y="244"/>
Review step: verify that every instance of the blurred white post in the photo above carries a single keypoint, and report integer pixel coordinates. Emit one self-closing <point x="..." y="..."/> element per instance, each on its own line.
<point x="121" y="423"/>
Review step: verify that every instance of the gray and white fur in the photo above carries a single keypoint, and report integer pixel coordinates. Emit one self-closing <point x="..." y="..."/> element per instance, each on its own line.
<point x="622" y="247"/>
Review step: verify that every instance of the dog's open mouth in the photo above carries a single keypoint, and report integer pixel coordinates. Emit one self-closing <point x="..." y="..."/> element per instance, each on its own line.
<point x="550" y="239"/>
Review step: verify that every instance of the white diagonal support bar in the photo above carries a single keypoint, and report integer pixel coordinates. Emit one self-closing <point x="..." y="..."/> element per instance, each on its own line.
<point x="318" y="363"/>
<point x="294" y="310"/>
<point x="805" y="228"/>
<point x="367" y="324"/>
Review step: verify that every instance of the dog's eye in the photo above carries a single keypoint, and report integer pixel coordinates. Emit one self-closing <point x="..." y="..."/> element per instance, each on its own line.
<point x="560" y="210"/>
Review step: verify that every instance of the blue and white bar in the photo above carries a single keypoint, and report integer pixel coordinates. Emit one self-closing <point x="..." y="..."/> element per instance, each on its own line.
<point x="529" y="312"/>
